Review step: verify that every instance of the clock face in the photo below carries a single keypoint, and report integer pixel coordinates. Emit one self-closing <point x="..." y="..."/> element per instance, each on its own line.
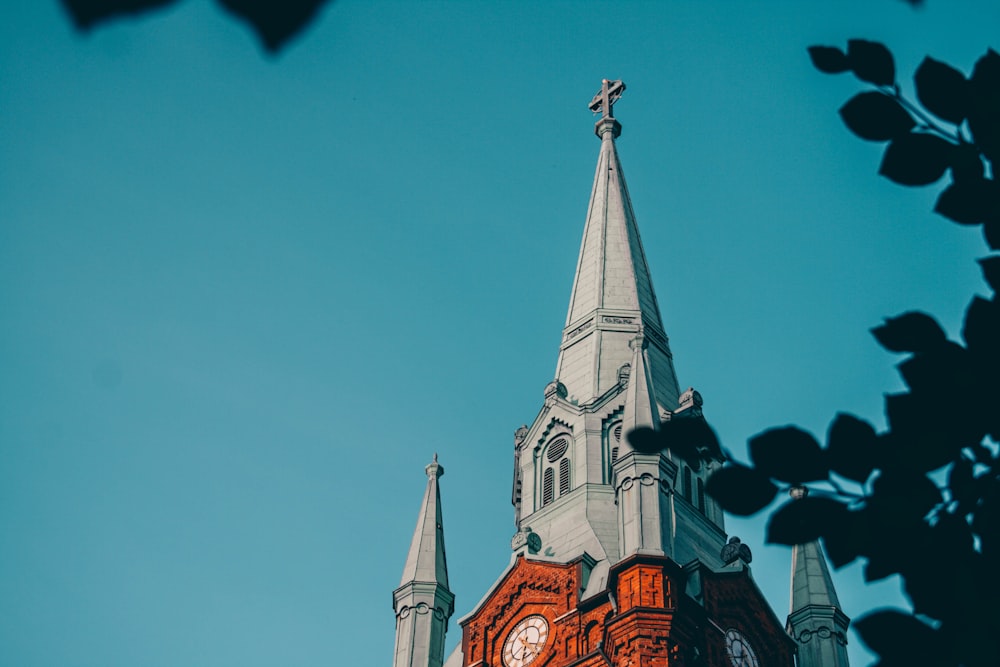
<point x="525" y="642"/>
<point x="739" y="651"/>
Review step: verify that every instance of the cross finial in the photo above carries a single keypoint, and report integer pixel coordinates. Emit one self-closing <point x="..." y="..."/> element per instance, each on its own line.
<point x="604" y="101"/>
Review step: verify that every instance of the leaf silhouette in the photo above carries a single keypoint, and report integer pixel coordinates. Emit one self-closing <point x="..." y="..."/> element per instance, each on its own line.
<point x="981" y="330"/>
<point x="876" y="117"/>
<point x="991" y="231"/>
<point x="984" y="111"/>
<point x="906" y="495"/>
<point x="991" y="271"/>
<point x="962" y="485"/>
<point x="740" y="490"/>
<point x="275" y="23"/>
<point x="898" y="637"/>
<point x="645" y="440"/>
<point x="910" y="332"/>
<point x="943" y="90"/>
<point x="851" y="447"/>
<point x="916" y="159"/>
<point x="829" y="59"/>
<point x="871" y="62"/>
<point x="87" y="13"/>
<point x="970" y="201"/>
<point x="804" y="520"/>
<point x="789" y="454"/>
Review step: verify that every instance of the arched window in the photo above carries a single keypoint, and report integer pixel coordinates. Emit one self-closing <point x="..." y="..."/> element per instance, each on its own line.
<point x="564" y="476"/>
<point x="686" y="488"/>
<point x="614" y="444"/>
<point x="701" y="495"/>
<point x="547" y="482"/>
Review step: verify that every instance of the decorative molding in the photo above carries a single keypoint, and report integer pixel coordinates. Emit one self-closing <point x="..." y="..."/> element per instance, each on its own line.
<point x="823" y="632"/>
<point x="579" y="329"/>
<point x="421" y="608"/>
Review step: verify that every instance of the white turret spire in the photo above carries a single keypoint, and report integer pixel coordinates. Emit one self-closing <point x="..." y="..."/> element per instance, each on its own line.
<point x="815" y="620"/>
<point x="423" y="602"/>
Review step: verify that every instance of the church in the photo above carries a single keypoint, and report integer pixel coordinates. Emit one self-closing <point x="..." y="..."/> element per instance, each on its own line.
<point x="620" y="559"/>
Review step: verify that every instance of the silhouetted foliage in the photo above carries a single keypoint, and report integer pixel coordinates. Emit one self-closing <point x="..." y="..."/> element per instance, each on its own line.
<point x="926" y="498"/>
<point x="926" y="502"/>
<point x="274" y="21"/>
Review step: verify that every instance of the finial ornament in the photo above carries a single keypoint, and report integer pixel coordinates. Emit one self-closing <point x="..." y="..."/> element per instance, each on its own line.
<point x="434" y="469"/>
<point x="604" y="101"/>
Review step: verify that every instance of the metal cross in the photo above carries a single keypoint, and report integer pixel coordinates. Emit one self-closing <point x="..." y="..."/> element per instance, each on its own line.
<point x="605" y="100"/>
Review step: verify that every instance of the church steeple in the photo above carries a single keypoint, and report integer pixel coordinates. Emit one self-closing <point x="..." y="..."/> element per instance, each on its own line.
<point x="614" y="373"/>
<point x="423" y="602"/>
<point x="612" y="294"/>
<point x="815" y="620"/>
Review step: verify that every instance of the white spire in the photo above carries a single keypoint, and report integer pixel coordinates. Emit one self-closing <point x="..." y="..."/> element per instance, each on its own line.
<point x="640" y="479"/>
<point x="423" y="603"/>
<point x="613" y="295"/>
<point x="426" y="560"/>
<point x="640" y="401"/>
<point x="815" y="619"/>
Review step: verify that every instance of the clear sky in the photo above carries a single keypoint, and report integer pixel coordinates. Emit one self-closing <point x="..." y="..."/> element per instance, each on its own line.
<point x="245" y="299"/>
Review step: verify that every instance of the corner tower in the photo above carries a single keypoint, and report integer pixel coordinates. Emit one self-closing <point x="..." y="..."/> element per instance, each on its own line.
<point x="815" y="619"/>
<point x="423" y="602"/>
<point x="614" y="372"/>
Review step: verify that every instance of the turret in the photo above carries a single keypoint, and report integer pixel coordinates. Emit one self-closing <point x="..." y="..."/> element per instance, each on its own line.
<point x="423" y="602"/>
<point x="815" y="620"/>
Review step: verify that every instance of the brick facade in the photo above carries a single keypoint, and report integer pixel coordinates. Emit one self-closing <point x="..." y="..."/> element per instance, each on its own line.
<point x="645" y="617"/>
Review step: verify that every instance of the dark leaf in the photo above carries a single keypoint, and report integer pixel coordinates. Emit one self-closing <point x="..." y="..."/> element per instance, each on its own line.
<point x="740" y="490"/>
<point x="948" y="365"/>
<point x="851" y="447"/>
<point x="843" y="540"/>
<point x="918" y="437"/>
<point x="871" y="62"/>
<point x="905" y="497"/>
<point x="943" y="90"/>
<point x="876" y="117"/>
<point x="829" y="59"/>
<point x="991" y="271"/>
<point x="982" y="328"/>
<point x="879" y="568"/>
<point x="899" y="637"/>
<point x="962" y="485"/>
<point x="984" y="112"/>
<point x="916" y="159"/>
<point x="991" y="231"/>
<point x="967" y="163"/>
<point x="880" y="527"/>
<point x="274" y="22"/>
<point x="950" y="541"/>
<point x="646" y="440"/>
<point x="789" y="454"/>
<point x="804" y="520"/>
<point x="910" y="332"/>
<point x="970" y="201"/>
<point x="922" y="436"/>
<point x="86" y="13"/>
<point x="692" y="439"/>
<point x="986" y="520"/>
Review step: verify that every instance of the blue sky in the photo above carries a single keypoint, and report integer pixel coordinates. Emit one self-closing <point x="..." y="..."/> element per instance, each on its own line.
<point x="245" y="299"/>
